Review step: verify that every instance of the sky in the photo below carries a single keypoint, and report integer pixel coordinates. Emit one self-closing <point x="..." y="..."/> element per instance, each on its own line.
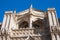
<point x="21" y="5"/>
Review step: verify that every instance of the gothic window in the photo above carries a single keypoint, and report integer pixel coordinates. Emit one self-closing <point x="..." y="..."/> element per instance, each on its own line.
<point x="38" y="24"/>
<point x="24" y="24"/>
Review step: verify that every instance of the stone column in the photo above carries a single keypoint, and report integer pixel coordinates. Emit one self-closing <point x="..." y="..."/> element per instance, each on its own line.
<point x="54" y="18"/>
<point x="4" y="23"/>
<point x="50" y="18"/>
<point x="30" y="22"/>
<point x="8" y="22"/>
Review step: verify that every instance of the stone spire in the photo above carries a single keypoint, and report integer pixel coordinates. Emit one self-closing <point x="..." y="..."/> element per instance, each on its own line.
<point x="30" y="8"/>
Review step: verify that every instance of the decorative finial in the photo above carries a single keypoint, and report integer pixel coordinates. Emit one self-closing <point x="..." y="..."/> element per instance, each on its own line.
<point x="15" y="11"/>
<point x="31" y="6"/>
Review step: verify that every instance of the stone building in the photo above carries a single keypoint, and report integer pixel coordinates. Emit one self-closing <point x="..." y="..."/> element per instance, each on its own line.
<point x="30" y="24"/>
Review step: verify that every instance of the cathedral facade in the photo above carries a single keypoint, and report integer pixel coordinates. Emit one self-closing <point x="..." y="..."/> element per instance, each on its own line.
<point x="30" y="24"/>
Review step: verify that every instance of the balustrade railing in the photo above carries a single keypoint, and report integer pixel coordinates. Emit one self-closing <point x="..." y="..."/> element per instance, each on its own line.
<point x="22" y="32"/>
<point x="25" y="32"/>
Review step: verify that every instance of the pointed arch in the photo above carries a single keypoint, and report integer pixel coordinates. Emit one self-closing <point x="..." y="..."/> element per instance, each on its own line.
<point x="24" y="24"/>
<point x="38" y="23"/>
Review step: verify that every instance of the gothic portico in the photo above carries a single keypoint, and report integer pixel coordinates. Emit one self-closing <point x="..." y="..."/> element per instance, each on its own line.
<point x="30" y="24"/>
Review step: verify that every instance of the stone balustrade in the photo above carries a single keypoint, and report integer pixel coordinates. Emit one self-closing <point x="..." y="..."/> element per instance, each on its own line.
<point x="25" y="32"/>
<point x="22" y="32"/>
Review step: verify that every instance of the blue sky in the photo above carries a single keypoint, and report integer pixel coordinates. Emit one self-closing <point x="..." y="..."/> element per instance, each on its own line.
<point x="20" y="5"/>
